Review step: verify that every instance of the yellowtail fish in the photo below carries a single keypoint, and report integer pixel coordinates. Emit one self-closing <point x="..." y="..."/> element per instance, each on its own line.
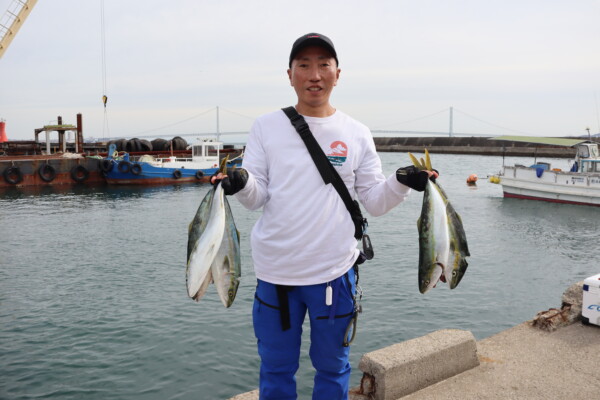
<point x="213" y="253"/>
<point x="442" y="241"/>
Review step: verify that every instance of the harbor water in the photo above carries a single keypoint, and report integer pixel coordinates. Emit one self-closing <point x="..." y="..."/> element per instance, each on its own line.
<point x="93" y="303"/>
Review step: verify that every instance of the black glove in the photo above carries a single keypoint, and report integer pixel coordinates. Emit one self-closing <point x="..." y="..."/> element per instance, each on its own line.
<point x="234" y="181"/>
<point x="414" y="178"/>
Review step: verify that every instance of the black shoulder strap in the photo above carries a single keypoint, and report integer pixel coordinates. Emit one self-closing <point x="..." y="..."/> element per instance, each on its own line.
<point x="327" y="171"/>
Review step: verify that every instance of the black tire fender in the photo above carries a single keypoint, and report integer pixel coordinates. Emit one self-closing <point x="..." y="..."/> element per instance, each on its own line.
<point x="13" y="175"/>
<point x="47" y="173"/>
<point x="124" y="166"/>
<point x="106" y="165"/>
<point x="136" y="169"/>
<point x="177" y="174"/>
<point x="79" y="173"/>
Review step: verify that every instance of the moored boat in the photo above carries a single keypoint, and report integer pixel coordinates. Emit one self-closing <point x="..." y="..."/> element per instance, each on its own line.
<point x="122" y="169"/>
<point x="580" y="184"/>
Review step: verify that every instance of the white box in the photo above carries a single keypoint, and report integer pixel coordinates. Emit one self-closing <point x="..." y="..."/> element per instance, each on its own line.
<point x="590" y="306"/>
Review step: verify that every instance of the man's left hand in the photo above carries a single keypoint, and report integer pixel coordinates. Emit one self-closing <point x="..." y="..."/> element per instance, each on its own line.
<point x="414" y="178"/>
<point x="233" y="182"/>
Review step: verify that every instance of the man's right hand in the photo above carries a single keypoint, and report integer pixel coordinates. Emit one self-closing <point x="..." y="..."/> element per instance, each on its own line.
<point x="233" y="182"/>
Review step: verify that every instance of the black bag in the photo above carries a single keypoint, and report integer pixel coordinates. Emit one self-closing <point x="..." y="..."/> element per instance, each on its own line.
<point x="330" y="175"/>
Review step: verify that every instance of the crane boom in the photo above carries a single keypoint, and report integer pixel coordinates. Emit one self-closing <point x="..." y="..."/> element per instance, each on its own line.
<point x="13" y="19"/>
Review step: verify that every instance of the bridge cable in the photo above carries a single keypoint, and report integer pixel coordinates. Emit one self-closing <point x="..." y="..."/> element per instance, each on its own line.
<point x="412" y="120"/>
<point x="494" y="125"/>
<point x="175" y="123"/>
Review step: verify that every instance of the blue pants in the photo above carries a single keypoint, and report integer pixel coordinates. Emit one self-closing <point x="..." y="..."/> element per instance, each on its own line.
<point x="279" y="350"/>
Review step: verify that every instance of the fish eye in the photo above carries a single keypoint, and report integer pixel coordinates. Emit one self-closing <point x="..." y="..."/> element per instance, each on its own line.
<point x="453" y="273"/>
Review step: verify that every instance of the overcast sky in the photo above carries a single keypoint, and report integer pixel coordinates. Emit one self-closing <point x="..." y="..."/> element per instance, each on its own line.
<point x="505" y="66"/>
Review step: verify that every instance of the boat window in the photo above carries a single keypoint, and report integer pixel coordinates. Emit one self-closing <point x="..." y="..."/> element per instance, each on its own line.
<point x="583" y="151"/>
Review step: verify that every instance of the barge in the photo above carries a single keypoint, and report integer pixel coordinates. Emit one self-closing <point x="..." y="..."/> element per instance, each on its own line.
<point x="39" y="164"/>
<point x="29" y="163"/>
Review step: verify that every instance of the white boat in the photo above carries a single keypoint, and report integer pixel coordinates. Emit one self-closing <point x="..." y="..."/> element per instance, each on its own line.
<point x="580" y="184"/>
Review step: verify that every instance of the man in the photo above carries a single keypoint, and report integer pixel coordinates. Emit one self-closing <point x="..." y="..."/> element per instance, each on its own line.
<point x="303" y="246"/>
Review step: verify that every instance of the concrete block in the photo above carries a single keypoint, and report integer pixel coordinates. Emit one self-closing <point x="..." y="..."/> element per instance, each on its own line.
<point x="404" y="368"/>
<point x="253" y="395"/>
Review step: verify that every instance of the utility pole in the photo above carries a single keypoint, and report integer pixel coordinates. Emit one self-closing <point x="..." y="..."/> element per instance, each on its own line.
<point x="451" y="114"/>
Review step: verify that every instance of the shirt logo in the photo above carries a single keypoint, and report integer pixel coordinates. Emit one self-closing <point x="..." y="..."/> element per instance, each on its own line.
<point x="337" y="153"/>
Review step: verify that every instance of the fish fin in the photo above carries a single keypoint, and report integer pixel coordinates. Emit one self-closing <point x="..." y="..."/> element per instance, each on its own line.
<point x="202" y="289"/>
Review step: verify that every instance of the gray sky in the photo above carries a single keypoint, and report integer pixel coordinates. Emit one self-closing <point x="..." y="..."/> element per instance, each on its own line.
<point x="506" y="66"/>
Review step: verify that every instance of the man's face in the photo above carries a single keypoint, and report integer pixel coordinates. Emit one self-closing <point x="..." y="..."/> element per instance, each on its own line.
<point x="313" y="75"/>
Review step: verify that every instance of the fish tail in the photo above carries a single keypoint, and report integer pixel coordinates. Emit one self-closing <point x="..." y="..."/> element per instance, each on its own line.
<point x="223" y="166"/>
<point x="428" y="161"/>
<point x="415" y="161"/>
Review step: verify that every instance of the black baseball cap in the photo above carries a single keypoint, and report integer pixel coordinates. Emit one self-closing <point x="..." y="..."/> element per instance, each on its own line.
<point x="312" y="39"/>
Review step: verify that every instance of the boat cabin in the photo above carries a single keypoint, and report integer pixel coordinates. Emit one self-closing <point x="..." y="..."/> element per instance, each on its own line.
<point x="206" y="150"/>
<point x="587" y="158"/>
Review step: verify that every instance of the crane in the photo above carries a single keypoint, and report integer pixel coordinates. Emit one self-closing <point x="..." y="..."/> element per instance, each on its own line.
<point x="13" y="19"/>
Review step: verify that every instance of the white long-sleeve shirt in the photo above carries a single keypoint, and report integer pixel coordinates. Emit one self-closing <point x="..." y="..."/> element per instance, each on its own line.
<point x="305" y="235"/>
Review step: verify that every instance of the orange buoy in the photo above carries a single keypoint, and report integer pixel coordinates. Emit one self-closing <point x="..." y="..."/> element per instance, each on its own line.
<point x="472" y="179"/>
<point x="3" y="137"/>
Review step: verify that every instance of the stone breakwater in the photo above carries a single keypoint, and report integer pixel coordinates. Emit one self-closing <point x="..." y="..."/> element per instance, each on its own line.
<point x="470" y="145"/>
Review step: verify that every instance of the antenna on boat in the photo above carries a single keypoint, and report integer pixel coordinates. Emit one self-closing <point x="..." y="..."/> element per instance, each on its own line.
<point x="589" y="134"/>
<point x="597" y="113"/>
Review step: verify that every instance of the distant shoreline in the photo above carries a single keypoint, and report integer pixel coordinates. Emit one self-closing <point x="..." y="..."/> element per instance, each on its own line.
<point x="471" y="145"/>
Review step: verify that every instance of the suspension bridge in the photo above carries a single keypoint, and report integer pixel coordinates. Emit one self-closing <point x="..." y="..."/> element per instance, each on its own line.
<point x="377" y="132"/>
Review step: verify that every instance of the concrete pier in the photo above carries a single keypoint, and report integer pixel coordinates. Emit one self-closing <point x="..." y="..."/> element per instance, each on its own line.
<point x="538" y="359"/>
